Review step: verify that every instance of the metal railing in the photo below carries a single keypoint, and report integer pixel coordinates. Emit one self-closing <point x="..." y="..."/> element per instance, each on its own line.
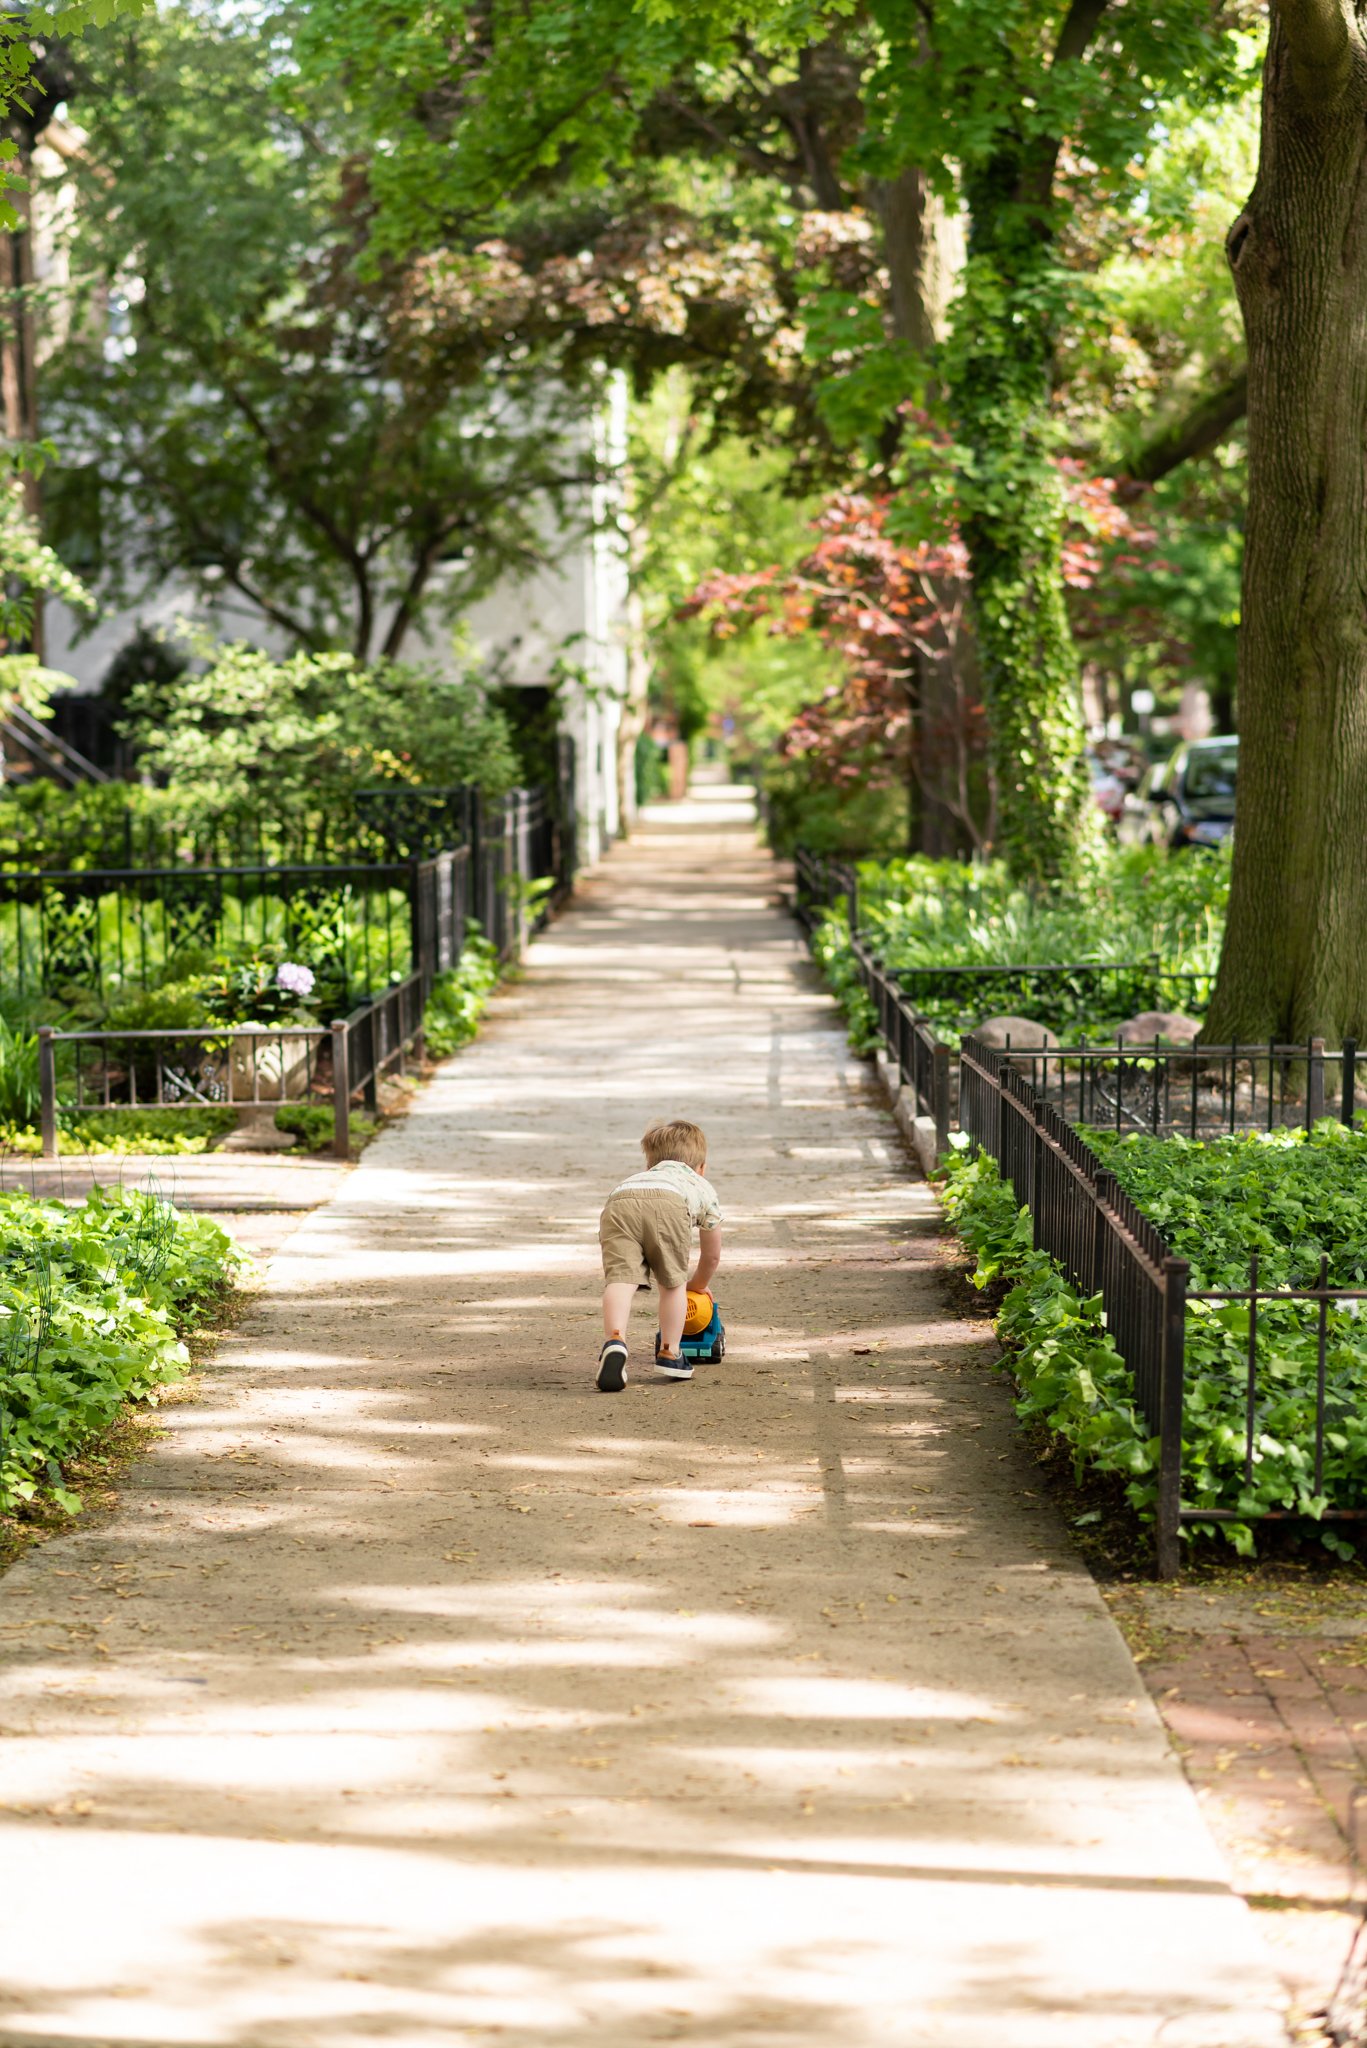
<point x="102" y="928"/>
<point x="1083" y="1219"/>
<point x="1110" y="986"/>
<point x="513" y="843"/>
<point x="236" y="1066"/>
<point x="923" y="1064"/>
<point x="1198" y="1092"/>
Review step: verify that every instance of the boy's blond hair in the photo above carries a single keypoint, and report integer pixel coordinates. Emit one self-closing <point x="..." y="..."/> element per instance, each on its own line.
<point x="675" y="1140"/>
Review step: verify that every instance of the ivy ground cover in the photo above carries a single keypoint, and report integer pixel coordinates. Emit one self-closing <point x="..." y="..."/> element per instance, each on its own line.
<point x="95" y="1303"/>
<point x="1290" y="1197"/>
<point x="1142" y="903"/>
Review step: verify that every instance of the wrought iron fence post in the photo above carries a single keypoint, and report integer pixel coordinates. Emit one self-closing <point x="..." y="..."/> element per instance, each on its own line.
<point x="47" y="1089"/>
<point x="1104" y="1190"/>
<point x="417" y="922"/>
<point x="939" y="1085"/>
<point x="1314" y="1083"/>
<point x="1348" y="1100"/>
<point x="341" y="1091"/>
<point x="1169" y="1521"/>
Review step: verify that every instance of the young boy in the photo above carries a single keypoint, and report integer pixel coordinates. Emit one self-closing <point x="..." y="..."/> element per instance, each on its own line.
<point x="647" y="1227"/>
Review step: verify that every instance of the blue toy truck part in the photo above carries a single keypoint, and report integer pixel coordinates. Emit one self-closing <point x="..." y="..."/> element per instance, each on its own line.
<point x="708" y="1347"/>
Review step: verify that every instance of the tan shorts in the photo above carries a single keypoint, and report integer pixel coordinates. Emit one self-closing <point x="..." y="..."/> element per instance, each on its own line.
<point x="646" y="1231"/>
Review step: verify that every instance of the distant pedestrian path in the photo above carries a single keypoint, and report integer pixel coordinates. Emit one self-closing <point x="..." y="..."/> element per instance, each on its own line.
<point x="420" y="1694"/>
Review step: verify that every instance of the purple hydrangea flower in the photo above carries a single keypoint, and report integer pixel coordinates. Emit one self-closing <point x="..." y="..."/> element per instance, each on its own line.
<point x="294" y="979"/>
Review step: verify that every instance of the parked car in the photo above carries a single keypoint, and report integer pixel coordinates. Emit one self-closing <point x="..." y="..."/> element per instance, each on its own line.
<point x="1114" y="766"/>
<point x="1189" y="799"/>
<point x="1140" y="822"/>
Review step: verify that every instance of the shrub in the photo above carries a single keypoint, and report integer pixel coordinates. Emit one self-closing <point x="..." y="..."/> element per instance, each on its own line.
<point x="244" y="731"/>
<point x="460" y="998"/>
<point x="1141" y="904"/>
<point x="94" y="1302"/>
<point x="176" y="1133"/>
<point x="175" y="1006"/>
<point x="312" y="1124"/>
<point x="20" y="1097"/>
<point x="1290" y="1198"/>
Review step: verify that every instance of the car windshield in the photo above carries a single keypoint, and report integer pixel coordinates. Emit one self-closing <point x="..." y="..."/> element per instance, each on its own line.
<point x="1211" y="771"/>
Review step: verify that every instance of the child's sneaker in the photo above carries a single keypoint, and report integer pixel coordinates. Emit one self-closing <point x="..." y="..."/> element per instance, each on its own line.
<point x="612" y="1366"/>
<point x="676" y="1367"/>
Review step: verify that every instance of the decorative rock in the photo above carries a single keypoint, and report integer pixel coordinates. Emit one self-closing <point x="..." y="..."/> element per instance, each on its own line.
<point x="1025" y="1034"/>
<point x="1169" y="1027"/>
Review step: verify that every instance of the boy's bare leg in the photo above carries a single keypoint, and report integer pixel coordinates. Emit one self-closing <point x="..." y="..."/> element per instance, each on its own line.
<point x="673" y="1309"/>
<point x="618" y="1296"/>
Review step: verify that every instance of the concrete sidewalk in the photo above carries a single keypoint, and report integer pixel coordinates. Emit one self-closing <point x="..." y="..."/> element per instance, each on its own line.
<point x="419" y="1693"/>
<point x="258" y="1197"/>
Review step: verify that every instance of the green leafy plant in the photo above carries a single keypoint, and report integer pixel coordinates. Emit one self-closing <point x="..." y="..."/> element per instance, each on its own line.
<point x="831" y="951"/>
<point x="529" y="893"/>
<point x="175" y="1006"/>
<point x="311" y="1123"/>
<point x="125" y="1133"/>
<point x="149" y="1132"/>
<point x="94" y="1304"/>
<point x="262" y="989"/>
<point x="19" y="1090"/>
<point x="1288" y="1197"/>
<point x="459" y="999"/>
<point x="1143" y="904"/>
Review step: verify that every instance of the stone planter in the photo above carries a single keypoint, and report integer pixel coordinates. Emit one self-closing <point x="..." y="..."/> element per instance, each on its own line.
<point x="274" y="1069"/>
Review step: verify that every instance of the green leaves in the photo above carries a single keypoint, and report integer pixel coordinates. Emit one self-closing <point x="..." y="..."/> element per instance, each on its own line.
<point x="1288" y="1198"/>
<point x="92" y="1303"/>
<point x="244" y="730"/>
<point x="459" y="998"/>
<point x="1140" y="904"/>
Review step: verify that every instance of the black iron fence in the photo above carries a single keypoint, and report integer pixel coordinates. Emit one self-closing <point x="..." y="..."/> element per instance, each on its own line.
<point x="393" y="928"/>
<point x="1198" y="1092"/>
<point x="1105" y="988"/>
<point x="101" y="930"/>
<point x="393" y="823"/>
<point x="923" y="1065"/>
<point x="1083" y="1218"/>
<point x="251" y="1065"/>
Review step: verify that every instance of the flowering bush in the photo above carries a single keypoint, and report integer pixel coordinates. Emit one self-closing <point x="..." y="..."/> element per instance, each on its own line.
<point x="261" y="989"/>
<point x="294" y="979"/>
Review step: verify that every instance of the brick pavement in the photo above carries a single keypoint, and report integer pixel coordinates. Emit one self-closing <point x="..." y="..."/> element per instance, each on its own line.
<point x="1271" y="1724"/>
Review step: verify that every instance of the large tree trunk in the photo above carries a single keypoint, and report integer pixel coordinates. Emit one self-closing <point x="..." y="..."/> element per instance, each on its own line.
<point x="923" y="245"/>
<point x="1294" y="963"/>
<point x="18" y="352"/>
<point x="1012" y="518"/>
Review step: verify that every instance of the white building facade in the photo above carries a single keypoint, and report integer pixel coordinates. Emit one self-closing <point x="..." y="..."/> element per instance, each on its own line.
<point x="567" y="622"/>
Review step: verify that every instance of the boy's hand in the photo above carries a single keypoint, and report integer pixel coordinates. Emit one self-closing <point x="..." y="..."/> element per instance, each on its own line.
<point x="709" y="1258"/>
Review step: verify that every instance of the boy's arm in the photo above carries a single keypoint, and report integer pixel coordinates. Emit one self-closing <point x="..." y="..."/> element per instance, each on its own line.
<point x="709" y="1257"/>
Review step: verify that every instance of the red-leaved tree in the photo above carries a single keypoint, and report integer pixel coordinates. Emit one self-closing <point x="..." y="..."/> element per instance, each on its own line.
<point x="899" y="615"/>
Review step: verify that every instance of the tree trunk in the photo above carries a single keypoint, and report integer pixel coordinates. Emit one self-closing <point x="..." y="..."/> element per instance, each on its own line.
<point x="1012" y="516"/>
<point x="923" y="244"/>
<point x="924" y="247"/>
<point x="1294" y="963"/>
<point x="18" y="351"/>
